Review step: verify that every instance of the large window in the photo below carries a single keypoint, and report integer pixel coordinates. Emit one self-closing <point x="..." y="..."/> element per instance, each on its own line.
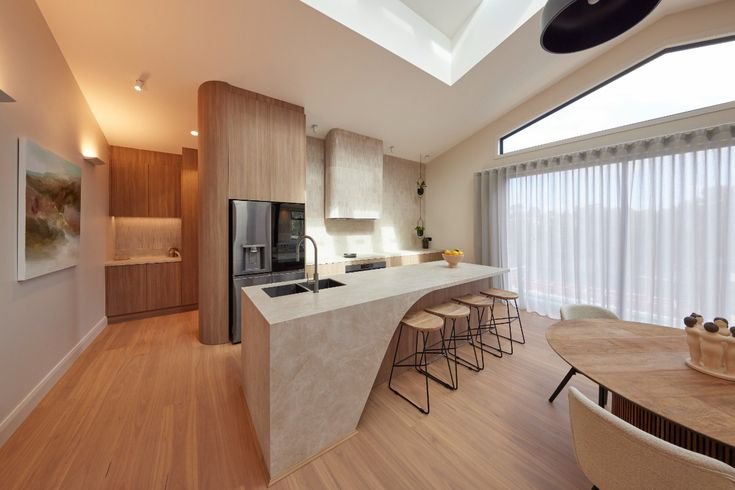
<point x="672" y="82"/>
<point x="645" y="229"/>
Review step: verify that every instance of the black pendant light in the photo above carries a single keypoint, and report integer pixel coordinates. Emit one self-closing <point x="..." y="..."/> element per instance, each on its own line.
<point x="569" y="26"/>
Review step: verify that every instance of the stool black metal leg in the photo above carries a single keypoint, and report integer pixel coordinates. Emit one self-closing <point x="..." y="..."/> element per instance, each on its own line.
<point x="602" y="396"/>
<point x="520" y="323"/>
<point x="457" y="358"/>
<point x="563" y="383"/>
<point x="444" y="351"/>
<point x="494" y="322"/>
<point x="495" y="351"/>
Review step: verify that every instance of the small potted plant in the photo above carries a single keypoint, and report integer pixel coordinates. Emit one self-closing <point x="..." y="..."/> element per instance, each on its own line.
<point x="419" y="230"/>
<point x="420" y="187"/>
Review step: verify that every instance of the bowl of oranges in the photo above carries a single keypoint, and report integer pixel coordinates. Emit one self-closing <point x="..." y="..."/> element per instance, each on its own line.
<point x="453" y="257"/>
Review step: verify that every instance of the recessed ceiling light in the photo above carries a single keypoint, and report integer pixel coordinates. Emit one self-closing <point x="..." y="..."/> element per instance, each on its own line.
<point x="138" y="87"/>
<point x="194" y="132"/>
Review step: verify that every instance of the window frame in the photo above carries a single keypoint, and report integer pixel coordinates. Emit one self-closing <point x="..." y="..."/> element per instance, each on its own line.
<point x="665" y="51"/>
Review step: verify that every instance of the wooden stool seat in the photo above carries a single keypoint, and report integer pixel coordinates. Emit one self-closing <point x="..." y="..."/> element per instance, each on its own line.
<point x="500" y="293"/>
<point x="477" y="300"/>
<point x="421" y="320"/>
<point x="449" y="310"/>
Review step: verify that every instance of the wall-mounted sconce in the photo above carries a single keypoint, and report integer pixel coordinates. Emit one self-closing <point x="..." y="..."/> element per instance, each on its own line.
<point x="5" y="97"/>
<point x="92" y="159"/>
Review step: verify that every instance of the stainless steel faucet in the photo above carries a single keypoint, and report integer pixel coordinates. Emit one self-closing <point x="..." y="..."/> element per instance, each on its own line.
<point x="316" y="261"/>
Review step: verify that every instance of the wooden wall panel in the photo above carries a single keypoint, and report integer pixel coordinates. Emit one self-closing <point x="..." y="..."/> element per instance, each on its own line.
<point x="163" y="282"/>
<point x="128" y="183"/>
<point x="125" y="289"/>
<point x="164" y="184"/>
<point x="213" y="228"/>
<point x="189" y="227"/>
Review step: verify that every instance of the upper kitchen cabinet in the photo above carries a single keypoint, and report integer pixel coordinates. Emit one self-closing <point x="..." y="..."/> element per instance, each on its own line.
<point x="164" y="184"/>
<point x="287" y="151"/>
<point x="249" y="148"/>
<point x="128" y="183"/>
<point x="144" y="183"/>
<point x="266" y="147"/>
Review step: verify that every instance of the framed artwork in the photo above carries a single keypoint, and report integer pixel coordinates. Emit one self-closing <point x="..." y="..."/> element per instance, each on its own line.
<point x="49" y="211"/>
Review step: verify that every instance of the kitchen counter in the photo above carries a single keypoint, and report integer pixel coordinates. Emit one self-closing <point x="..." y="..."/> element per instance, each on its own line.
<point x="310" y="360"/>
<point x="153" y="259"/>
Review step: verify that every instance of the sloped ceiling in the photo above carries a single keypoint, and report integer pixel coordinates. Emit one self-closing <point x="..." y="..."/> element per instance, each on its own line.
<point x="287" y="50"/>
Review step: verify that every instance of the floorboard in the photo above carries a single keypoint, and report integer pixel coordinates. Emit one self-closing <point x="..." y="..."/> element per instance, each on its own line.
<point x="148" y="406"/>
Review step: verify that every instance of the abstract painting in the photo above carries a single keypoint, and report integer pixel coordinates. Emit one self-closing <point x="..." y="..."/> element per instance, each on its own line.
<point x="49" y="211"/>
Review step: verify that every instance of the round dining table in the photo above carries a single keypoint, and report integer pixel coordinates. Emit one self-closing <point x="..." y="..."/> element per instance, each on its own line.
<point x="643" y="367"/>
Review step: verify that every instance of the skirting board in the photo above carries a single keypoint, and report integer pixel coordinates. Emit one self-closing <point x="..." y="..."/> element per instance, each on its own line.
<point x="26" y="406"/>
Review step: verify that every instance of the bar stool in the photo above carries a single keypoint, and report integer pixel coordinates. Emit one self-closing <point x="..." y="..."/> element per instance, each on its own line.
<point x="422" y="323"/>
<point x="507" y="297"/>
<point x="481" y="303"/>
<point x="453" y="311"/>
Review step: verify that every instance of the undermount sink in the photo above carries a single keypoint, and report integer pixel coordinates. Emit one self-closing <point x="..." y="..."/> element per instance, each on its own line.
<point x="323" y="284"/>
<point x="285" y="290"/>
<point x="302" y="287"/>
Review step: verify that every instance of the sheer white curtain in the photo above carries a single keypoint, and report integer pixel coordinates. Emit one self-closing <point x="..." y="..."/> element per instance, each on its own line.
<point x="645" y="229"/>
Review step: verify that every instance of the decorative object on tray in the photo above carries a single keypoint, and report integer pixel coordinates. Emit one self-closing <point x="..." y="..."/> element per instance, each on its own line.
<point x="711" y="346"/>
<point x="453" y="257"/>
<point x="49" y="211"/>
<point x="425" y="242"/>
<point x="349" y="255"/>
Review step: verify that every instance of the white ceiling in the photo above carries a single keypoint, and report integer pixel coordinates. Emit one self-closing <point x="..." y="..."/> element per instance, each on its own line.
<point x="287" y="50"/>
<point x="447" y="17"/>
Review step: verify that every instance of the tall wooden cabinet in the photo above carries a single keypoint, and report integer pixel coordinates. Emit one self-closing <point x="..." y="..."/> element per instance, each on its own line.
<point x="144" y="183"/>
<point x="250" y="147"/>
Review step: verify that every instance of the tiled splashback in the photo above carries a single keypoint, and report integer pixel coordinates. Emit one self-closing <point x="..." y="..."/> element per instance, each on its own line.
<point x="393" y="231"/>
<point x="139" y="237"/>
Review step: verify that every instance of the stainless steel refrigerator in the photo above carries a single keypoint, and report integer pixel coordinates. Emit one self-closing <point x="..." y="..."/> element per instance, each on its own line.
<point x="264" y="238"/>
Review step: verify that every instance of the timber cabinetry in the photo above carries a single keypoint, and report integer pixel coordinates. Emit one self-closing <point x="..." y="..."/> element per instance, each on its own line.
<point x="251" y="147"/>
<point x="143" y="288"/>
<point x="126" y="289"/>
<point x="266" y="147"/>
<point x="287" y="154"/>
<point x="144" y="183"/>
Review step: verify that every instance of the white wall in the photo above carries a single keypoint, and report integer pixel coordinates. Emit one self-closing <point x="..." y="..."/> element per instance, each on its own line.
<point x="43" y="320"/>
<point x="450" y="197"/>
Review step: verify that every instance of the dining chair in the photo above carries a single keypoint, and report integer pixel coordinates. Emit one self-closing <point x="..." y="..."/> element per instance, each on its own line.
<point x="579" y="312"/>
<point x="616" y="455"/>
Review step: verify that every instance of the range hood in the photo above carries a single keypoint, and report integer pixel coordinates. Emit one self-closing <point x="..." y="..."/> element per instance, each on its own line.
<point x="353" y="174"/>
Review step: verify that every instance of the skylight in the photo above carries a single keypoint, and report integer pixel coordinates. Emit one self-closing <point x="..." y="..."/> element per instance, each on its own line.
<point x="444" y="38"/>
<point x="674" y="82"/>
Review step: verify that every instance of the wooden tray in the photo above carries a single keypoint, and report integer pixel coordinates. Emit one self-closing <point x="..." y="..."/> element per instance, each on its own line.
<point x="701" y="369"/>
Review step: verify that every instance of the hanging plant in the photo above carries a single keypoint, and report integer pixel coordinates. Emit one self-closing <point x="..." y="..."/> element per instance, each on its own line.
<point x="419" y="228"/>
<point x="420" y="186"/>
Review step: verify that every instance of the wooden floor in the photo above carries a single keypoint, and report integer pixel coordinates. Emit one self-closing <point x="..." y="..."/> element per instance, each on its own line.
<point x="148" y="407"/>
